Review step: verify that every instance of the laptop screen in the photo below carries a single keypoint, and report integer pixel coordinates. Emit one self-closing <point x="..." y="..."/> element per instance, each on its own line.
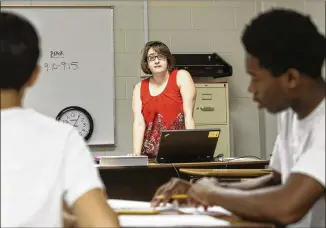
<point x="193" y="145"/>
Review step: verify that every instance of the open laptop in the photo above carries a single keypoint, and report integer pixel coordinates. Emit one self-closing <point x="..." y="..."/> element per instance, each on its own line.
<point x="196" y="145"/>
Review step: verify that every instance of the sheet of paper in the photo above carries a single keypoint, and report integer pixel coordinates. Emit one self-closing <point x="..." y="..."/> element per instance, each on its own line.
<point x="118" y="204"/>
<point x="216" y="210"/>
<point x="170" y="221"/>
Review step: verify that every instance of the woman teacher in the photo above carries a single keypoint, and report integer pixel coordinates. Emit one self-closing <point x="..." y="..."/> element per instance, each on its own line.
<point x="163" y="101"/>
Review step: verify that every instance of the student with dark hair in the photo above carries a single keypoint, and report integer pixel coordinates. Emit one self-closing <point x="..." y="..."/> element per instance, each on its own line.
<point x="285" y="54"/>
<point x="45" y="164"/>
<point x="163" y="101"/>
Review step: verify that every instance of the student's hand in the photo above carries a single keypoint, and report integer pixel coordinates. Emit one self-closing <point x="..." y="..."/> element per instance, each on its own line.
<point x="203" y="192"/>
<point x="174" y="186"/>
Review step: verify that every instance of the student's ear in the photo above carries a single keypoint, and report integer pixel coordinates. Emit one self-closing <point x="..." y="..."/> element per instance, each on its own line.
<point x="33" y="77"/>
<point x="293" y="78"/>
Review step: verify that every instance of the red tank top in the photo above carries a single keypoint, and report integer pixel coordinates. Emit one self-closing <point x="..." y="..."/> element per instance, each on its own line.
<point x="161" y="112"/>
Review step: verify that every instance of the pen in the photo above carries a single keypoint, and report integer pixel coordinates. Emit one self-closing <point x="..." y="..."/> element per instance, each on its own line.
<point x="136" y="212"/>
<point x="174" y="196"/>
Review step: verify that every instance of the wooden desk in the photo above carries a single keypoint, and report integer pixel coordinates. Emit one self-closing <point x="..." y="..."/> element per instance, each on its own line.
<point x="140" y="183"/>
<point x="237" y="173"/>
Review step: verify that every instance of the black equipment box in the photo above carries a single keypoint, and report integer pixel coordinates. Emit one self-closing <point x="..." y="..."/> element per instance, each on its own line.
<point x="203" y="65"/>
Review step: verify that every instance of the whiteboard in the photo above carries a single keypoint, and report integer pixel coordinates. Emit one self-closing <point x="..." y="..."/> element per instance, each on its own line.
<point x="77" y="64"/>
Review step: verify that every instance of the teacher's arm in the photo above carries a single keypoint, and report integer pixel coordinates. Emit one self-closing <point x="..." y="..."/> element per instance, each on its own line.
<point x="138" y="121"/>
<point x="188" y="93"/>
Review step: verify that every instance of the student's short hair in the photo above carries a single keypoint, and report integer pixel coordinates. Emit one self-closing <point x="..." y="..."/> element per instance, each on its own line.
<point x="19" y="50"/>
<point x="159" y="48"/>
<point x="282" y="39"/>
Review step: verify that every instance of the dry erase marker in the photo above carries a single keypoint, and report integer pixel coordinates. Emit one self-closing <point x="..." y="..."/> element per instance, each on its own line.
<point x="174" y="196"/>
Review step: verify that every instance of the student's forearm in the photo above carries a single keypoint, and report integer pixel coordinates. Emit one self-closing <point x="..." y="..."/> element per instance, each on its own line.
<point x="108" y="218"/>
<point x="265" y="205"/>
<point x="138" y="137"/>
<point x="255" y="183"/>
<point x="69" y="220"/>
<point x="92" y="210"/>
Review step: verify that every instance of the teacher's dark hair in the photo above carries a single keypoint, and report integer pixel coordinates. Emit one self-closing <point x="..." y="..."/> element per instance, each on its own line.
<point x="282" y="39"/>
<point x="159" y="48"/>
<point x="19" y="50"/>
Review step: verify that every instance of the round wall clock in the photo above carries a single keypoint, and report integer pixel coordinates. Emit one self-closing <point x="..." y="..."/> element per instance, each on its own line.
<point x="79" y="118"/>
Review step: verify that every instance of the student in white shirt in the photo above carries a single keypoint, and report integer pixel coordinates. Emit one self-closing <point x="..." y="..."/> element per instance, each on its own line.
<point x="285" y="53"/>
<point x="43" y="162"/>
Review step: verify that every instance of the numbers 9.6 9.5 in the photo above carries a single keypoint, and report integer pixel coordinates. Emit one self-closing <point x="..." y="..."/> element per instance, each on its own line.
<point x="63" y="66"/>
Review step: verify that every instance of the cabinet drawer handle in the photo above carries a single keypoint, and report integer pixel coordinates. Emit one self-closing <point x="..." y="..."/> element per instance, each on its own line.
<point x="207" y="108"/>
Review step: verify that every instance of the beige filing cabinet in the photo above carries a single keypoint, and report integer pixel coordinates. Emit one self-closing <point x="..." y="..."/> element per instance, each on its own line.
<point x="212" y="111"/>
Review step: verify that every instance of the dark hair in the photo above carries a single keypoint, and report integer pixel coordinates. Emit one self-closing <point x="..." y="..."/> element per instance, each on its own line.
<point x="282" y="39"/>
<point x="159" y="48"/>
<point x="19" y="51"/>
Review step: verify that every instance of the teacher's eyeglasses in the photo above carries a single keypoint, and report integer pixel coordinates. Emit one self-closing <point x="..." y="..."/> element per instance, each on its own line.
<point x="153" y="57"/>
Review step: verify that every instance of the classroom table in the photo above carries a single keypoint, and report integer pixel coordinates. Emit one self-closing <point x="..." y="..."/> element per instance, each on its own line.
<point x="140" y="183"/>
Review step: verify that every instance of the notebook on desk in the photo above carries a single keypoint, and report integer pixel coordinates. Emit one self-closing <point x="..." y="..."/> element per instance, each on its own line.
<point x="141" y="214"/>
<point x="182" y="146"/>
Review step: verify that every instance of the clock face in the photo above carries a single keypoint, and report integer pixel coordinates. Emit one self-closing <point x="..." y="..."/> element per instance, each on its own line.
<point x="79" y="118"/>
